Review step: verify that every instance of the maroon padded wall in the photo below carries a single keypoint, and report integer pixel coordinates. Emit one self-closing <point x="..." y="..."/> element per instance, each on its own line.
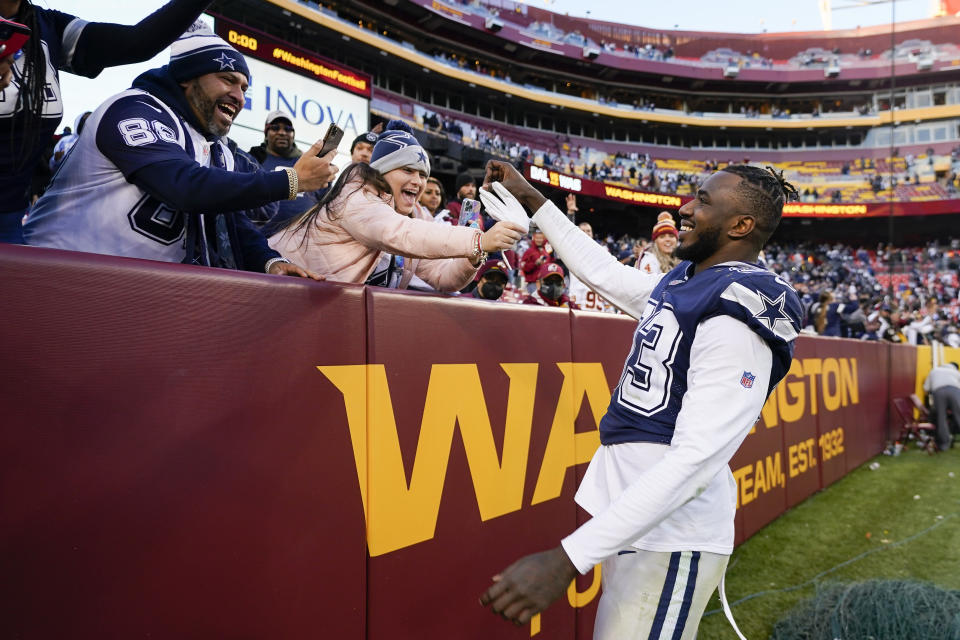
<point x="197" y="452"/>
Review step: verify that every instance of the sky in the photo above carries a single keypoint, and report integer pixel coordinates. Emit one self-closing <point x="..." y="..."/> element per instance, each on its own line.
<point x="743" y="16"/>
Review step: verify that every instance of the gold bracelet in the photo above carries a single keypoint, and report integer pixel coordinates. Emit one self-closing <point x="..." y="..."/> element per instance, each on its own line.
<point x="293" y="181"/>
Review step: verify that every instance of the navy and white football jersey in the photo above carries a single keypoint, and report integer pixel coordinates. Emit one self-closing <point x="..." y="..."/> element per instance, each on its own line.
<point x="90" y="204"/>
<point x="58" y="33"/>
<point x="647" y="400"/>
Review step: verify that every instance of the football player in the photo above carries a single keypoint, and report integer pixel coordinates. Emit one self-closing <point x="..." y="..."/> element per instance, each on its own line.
<point x="715" y="336"/>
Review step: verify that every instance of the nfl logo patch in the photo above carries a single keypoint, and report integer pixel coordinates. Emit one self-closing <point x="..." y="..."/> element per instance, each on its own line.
<point x="746" y="380"/>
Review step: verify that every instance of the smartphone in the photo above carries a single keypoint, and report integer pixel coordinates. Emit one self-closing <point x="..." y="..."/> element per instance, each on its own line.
<point x="13" y="36"/>
<point x="470" y="213"/>
<point x="331" y="139"/>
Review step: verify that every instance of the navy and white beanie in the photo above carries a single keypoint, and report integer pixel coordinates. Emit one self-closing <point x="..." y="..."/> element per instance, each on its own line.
<point x="200" y="51"/>
<point x="396" y="147"/>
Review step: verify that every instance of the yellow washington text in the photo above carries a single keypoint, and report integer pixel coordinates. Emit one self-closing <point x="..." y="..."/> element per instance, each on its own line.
<point x="833" y="379"/>
<point x="401" y="512"/>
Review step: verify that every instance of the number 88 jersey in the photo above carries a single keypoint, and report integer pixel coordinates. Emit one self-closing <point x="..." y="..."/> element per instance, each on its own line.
<point x="647" y="400"/>
<point x="91" y="206"/>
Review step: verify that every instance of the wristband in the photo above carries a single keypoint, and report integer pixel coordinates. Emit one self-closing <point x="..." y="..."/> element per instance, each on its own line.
<point x="273" y="261"/>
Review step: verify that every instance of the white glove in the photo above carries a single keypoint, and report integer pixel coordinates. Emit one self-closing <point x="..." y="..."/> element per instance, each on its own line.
<point x="506" y="208"/>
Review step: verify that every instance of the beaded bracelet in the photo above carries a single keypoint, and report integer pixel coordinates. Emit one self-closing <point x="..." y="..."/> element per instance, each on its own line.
<point x="479" y="255"/>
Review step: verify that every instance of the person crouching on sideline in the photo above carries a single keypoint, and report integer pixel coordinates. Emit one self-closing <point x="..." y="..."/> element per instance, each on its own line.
<point x="715" y="337"/>
<point x="659" y="256"/>
<point x="551" y="291"/>
<point x="342" y="238"/>
<point x="152" y="175"/>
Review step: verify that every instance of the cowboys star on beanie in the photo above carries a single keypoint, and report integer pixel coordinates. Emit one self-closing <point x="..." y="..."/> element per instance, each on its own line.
<point x="665" y="224"/>
<point x="396" y="147"/>
<point x="200" y="51"/>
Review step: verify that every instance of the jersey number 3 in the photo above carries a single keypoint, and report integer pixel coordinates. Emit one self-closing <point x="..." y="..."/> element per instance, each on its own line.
<point x="645" y="387"/>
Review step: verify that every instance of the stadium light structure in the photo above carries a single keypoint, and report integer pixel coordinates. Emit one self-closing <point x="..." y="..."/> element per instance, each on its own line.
<point x="493" y="24"/>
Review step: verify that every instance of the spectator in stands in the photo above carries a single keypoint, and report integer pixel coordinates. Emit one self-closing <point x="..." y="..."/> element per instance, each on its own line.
<point x="432" y="200"/>
<point x="572" y="209"/>
<point x="827" y="320"/>
<point x="854" y="322"/>
<point x="659" y="256"/>
<point x="894" y="331"/>
<point x="943" y="385"/>
<point x="66" y="141"/>
<point x="534" y="258"/>
<point x="29" y="117"/>
<point x="152" y="176"/>
<point x="465" y="187"/>
<point x="551" y="291"/>
<point x="370" y="209"/>
<point x="580" y="293"/>
<point x="631" y="252"/>
<point x="491" y="280"/>
<point x="362" y="146"/>
<point x="278" y="150"/>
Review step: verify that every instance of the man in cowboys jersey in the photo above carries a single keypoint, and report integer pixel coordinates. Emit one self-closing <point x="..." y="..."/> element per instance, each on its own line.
<point x="152" y="175"/>
<point x="715" y="336"/>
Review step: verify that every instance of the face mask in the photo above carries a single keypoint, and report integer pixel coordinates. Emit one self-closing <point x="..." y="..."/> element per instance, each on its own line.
<point x="491" y="290"/>
<point x="551" y="290"/>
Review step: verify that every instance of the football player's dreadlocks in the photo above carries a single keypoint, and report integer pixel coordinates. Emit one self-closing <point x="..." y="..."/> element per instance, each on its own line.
<point x="765" y="191"/>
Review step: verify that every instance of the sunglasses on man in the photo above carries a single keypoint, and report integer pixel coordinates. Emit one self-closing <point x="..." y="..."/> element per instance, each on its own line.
<point x="280" y="127"/>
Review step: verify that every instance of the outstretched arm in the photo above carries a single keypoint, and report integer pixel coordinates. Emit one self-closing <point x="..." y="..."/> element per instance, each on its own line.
<point x="623" y="286"/>
<point x="103" y="44"/>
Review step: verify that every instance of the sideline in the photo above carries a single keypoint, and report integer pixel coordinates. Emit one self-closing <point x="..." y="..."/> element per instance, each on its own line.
<point x="812" y="580"/>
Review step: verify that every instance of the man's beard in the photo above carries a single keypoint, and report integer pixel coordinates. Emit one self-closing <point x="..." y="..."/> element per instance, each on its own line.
<point x="282" y="147"/>
<point x="705" y="246"/>
<point x="207" y="108"/>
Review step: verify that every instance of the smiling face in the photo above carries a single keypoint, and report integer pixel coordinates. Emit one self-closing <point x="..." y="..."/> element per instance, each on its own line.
<point x="666" y="242"/>
<point x="468" y="190"/>
<point x="407" y="184"/>
<point x="431" y="197"/>
<point x="279" y="136"/>
<point x="216" y="99"/>
<point x="704" y="221"/>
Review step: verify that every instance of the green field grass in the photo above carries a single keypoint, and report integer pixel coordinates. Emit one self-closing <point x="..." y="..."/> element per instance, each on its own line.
<point x="889" y="510"/>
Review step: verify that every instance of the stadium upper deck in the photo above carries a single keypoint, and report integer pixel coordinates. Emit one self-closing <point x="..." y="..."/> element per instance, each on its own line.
<point x="573" y="115"/>
<point x="432" y="39"/>
<point x="433" y="59"/>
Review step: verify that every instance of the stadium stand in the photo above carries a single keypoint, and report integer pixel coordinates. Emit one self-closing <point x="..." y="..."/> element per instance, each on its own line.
<point x="182" y="437"/>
